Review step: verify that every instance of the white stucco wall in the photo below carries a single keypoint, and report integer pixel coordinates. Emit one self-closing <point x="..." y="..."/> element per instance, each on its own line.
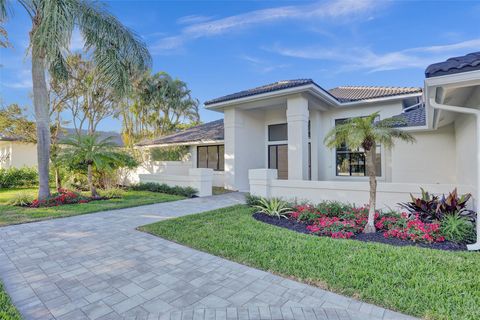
<point x="244" y="145"/>
<point x="21" y="154"/>
<point x="465" y="138"/>
<point x="432" y="159"/>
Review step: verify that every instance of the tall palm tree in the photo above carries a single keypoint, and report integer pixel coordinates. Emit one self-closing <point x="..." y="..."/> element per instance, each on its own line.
<point x="117" y="51"/>
<point x="89" y="150"/>
<point x="367" y="133"/>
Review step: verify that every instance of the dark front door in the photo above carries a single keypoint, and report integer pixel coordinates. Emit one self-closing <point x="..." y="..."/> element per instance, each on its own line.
<point x="278" y="159"/>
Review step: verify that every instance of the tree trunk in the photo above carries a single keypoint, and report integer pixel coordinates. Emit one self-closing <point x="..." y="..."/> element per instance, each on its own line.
<point x="370" y="161"/>
<point x="42" y="117"/>
<point x="93" y="190"/>
<point x="58" y="179"/>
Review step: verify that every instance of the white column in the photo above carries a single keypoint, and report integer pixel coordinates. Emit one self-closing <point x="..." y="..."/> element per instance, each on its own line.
<point x="297" y="120"/>
<point x="316" y="139"/>
<point x="232" y="127"/>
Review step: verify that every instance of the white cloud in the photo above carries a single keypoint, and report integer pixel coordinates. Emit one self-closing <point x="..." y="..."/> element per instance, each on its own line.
<point x="366" y="59"/>
<point x="262" y="66"/>
<point x="333" y="9"/>
<point x="23" y="80"/>
<point x="193" y="19"/>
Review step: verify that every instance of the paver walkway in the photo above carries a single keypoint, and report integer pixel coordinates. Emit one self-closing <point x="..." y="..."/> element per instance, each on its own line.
<point x="97" y="266"/>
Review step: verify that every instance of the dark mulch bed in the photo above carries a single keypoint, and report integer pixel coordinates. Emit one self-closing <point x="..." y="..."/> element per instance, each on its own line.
<point x="372" y="237"/>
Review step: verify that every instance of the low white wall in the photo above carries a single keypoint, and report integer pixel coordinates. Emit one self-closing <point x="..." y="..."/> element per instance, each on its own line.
<point x="157" y="167"/>
<point x="264" y="183"/>
<point x="219" y="179"/>
<point x="198" y="178"/>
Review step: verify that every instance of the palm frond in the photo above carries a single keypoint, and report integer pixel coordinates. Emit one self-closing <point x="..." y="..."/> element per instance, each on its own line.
<point x="117" y="51"/>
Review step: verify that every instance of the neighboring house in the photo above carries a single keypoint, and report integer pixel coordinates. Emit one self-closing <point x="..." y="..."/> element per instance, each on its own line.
<point x="15" y="153"/>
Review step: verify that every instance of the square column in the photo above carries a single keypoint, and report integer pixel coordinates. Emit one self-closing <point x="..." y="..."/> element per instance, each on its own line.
<point x="297" y="122"/>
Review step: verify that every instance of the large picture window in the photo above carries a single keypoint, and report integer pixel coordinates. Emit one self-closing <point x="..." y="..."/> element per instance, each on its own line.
<point x="352" y="162"/>
<point x="212" y="157"/>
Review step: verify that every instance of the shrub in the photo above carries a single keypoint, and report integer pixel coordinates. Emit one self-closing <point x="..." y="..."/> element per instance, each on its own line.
<point x="414" y="229"/>
<point x="59" y="198"/>
<point x="432" y="208"/>
<point x="187" y="192"/>
<point x="175" y="153"/>
<point x="274" y="207"/>
<point x="21" y="199"/>
<point x="252" y="200"/>
<point x="112" y="193"/>
<point x="458" y="229"/>
<point x="333" y="208"/>
<point x="18" y="177"/>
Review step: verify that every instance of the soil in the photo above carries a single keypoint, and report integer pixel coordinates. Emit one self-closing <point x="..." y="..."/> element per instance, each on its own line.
<point x="364" y="237"/>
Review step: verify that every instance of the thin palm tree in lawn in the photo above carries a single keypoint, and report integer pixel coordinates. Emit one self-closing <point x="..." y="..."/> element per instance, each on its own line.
<point x="117" y="51"/>
<point x="89" y="150"/>
<point x="367" y="133"/>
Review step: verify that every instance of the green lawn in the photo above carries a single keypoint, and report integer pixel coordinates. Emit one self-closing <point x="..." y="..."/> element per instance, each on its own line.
<point x="7" y="310"/>
<point x="13" y="215"/>
<point x="422" y="282"/>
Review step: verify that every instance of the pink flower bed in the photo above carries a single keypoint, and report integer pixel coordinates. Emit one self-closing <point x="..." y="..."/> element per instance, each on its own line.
<point x="61" y="197"/>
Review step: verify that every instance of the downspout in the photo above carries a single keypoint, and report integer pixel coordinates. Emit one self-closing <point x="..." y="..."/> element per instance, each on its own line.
<point x="476" y="113"/>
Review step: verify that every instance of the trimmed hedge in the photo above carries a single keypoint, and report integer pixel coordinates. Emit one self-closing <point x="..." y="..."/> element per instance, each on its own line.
<point x="18" y="177"/>
<point x="187" y="192"/>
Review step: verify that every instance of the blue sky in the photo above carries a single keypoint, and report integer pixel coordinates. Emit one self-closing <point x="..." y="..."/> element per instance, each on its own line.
<point x="220" y="47"/>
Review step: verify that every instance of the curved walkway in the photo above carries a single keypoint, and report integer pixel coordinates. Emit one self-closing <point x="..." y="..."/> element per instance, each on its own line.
<point x="97" y="266"/>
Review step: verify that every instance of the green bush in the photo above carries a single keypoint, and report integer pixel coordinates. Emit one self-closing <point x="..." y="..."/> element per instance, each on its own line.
<point x="112" y="193"/>
<point x="22" y="198"/>
<point x="176" y="153"/>
<point x="252" y="200"/>
<point x="333" y="208"/>
<point x="18" y="177"/>
<point x="458" y="229"/>
<point x="187" y="192"/>
<point x="7" y="309"/>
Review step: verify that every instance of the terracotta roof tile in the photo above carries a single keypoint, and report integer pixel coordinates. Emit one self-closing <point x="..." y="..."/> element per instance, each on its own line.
<point x="358" y="93"/>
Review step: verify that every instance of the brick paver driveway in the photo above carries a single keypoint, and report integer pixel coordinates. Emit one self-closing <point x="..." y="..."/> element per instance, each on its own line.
<point x="97" y="266"/>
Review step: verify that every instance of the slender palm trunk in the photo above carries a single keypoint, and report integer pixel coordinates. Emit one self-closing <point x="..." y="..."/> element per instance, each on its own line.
<point x="93" y="190"/>
<point x="370" y="161"/>
<point x="58" y="179"/>
<point x="42" y="116"/>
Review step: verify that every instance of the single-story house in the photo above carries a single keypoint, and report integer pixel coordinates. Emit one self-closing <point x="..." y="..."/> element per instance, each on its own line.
<point x="16" y="153"/>
<point x="270" y="141"/>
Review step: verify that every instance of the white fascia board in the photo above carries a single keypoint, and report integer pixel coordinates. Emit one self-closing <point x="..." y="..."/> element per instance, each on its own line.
<point x="462" y="79"/>
<point x="188" y="143"/>
<point x="314" y="90"/>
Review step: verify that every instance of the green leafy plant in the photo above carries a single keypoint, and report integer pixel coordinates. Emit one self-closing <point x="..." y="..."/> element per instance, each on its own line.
<point x="457" y="228"/>
<point x="18" y="177"/>
<point x="187" y="192"/>
<point x="333" y="208"/>
<point x="252" y="200"/>
<point x="274" y="207"/>
<point x="176" y="153"/>
<point x="112" y="193"/>
<point x="21" y="199"/>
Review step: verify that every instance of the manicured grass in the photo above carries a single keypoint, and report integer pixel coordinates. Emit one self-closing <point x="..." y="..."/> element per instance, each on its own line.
<point x="7" y="310"/>
<point x="428" y="283"/>
<point x="13" y="215"/>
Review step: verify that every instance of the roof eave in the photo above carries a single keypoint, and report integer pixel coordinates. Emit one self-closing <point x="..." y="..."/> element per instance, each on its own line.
<point x="186" y="143"/>
<point x="313" y="89"/>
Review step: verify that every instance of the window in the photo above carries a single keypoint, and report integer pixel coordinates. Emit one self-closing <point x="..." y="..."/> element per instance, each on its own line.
<point x="212" y="157"/>
<point x="278" y="132"/>
<point x="352" y="162"/>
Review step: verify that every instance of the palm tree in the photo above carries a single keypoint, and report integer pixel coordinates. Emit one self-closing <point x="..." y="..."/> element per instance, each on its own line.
<point x="117" y="51"/>
<point x="89" y="150"/>
<point x="367" y="133"/>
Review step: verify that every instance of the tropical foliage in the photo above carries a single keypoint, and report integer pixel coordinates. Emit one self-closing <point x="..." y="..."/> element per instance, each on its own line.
<point x="118" y="53"/>
<point x="88" y="153"/>
<point x="274" y="207"/>
<point x="175" y="153"/>
<point x="366" y="133"/>
<point x="158" y="104"/>
<point x="18" y="177"/>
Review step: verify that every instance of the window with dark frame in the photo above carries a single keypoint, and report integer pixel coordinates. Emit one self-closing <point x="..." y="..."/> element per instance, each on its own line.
<point x="352" y="162"/>
<point x="212" y="157"/>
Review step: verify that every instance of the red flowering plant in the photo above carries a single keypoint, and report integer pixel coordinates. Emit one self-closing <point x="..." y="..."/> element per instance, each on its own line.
<point x="61" y="197"/>
<point x="414" y="229"/>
